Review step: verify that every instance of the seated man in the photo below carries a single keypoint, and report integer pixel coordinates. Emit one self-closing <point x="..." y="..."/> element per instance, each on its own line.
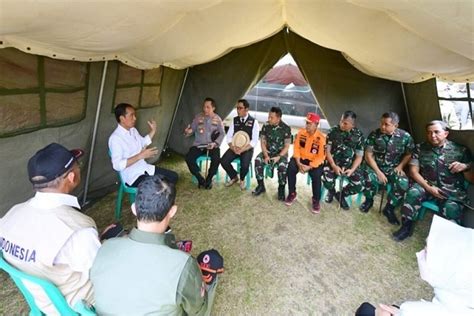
<point x="446" y="264"/>
<point x="246" y="123"/>
<point x="275" y="139"/>
<point x="129" y="150"/>
<point x="387" y="151"/>
<point x="143" y="273"/>
<point x="47" y="236"/>
<point x="209" y="132"/>
<point x="308" y="157"/>
<point x="344" y="153"/>
<point x="438" y="167"/>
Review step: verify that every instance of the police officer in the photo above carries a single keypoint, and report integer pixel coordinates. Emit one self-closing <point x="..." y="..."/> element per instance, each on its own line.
<point x="275" y="139"/>
<point x="387" y="151"/>
<point x="248" y="124"/>
<point x="438" y="167"/>
<point x="209" y="132"/>
<point x="344" y="153"/>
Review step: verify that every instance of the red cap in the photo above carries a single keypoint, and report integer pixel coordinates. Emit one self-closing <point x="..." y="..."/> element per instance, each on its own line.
<point x="312" y="117"/>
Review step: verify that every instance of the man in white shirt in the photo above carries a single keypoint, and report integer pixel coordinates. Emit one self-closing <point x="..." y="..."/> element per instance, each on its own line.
<point x="128" y="149"/>
<point x="248" y="124"/>
<point x="46" y="236"/>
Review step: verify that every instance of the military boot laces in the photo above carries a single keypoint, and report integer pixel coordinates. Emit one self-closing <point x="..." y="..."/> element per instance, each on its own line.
<point x="365" y="207"/>
<point x="389" y="212"/>
<point x="405" y="231"/>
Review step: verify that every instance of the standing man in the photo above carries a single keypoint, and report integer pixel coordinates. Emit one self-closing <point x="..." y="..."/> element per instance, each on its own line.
<point x="387" y="151"/>
<point x="47" y="236"/>
<point x="142" y="273"/>
<point x="209" y="133"/>
<point x="439" y="168"/>
<point x="308" y="157"/>
<point x="275" y="139"/>
<point x="344" y="153"/>
<point x="129" y="150"/>
<point x="246" y="123"/>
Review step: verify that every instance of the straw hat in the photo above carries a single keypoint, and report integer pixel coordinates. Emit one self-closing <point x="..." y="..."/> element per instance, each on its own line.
<point x="240" y="139"/>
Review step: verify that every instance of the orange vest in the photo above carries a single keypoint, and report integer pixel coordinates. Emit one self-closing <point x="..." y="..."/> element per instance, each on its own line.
<point x="310" y="147"/>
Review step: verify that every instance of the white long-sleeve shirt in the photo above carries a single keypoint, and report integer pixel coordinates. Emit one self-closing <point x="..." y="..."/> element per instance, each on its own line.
<point x="124" y="144"/>
<point x="255" y="132"/>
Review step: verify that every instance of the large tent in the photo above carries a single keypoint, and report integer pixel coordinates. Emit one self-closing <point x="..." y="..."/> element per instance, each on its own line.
<point x="166" y="56"/>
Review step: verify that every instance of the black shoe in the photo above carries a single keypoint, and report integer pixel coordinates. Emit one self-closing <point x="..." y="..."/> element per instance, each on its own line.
<point x="389" y="212"/>
<point x="343" y="201"/>
<point x="330" y="196"/>
<point x="208" y="184"/>
<point x="405" y="231"/>
<point x="281" y="193"/>
<point x="201" y="182"/>
<point x="365" y="207"/>
<point x="259" y="189"/>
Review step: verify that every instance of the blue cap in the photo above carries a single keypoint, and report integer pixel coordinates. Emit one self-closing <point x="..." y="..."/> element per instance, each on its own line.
<point x="51" y="162"/>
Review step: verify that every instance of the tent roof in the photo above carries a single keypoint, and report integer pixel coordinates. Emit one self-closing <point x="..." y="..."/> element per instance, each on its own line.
<point x="403" y="40"/>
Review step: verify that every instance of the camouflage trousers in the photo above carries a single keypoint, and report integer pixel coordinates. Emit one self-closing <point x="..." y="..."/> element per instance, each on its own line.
<point x="398" y="186"/>
<point x="417" y="194"/>
<point x="281" y="166"/>
<point x="354" y="186"/>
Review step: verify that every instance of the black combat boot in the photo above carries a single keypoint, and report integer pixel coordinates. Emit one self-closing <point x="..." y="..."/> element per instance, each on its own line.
<point x="389" y="212"/>
<point x="405" y="231"/>
<point x="281" y="193"/>
<point x="259" y="189"/>
<point x="342" y="201"/>
<point x="330" y="196"/>
<point x="365" y="207"/>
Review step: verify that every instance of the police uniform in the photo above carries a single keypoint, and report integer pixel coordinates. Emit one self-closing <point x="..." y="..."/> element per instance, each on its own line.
<point x="203" y="127"/>
<point x="388" y="151"/>
<point x="250" y="126"/>
<point x="276" y="137"/>
<point x="142" y="275"/>
<point x="344" y="147"/>
<point x="434" y="168"/>
<point x="310" y="150"/>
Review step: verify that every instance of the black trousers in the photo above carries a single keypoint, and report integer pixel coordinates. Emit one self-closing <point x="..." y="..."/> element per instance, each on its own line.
<point x="314" y="173"/>
<point x="194" y="153"/>
<point x="245" y="159"/>
<point x="168" y="175"/>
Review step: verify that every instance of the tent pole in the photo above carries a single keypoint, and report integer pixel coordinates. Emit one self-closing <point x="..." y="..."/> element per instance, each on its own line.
<point x="94" y="133"/>
<point x="406" y="109"/>
<point x="177" y="105"/>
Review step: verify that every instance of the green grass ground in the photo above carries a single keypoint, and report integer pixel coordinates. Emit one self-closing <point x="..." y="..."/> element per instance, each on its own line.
<point x="282" y="260"/>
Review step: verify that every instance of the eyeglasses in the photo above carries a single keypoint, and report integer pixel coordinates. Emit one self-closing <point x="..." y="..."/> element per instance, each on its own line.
<point x="240" y="107"/>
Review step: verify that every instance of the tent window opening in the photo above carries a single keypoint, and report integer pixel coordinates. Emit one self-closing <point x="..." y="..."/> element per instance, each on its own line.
<point x="140" y="88"/>
<point x="456" y="101"/>
<point x="284" y="86"/>
<point x="38" y="92"/>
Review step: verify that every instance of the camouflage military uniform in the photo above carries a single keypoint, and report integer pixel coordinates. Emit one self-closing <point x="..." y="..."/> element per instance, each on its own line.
<point x="434" y="168"/>
<point x="388" y="151"/>
<point x="344" y="148"/>
<point x="276" y="137"/>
